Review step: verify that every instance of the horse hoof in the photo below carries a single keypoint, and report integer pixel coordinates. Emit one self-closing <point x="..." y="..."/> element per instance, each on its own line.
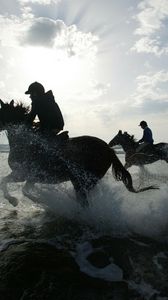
<point x="30" y="196"/>
<point x="82" y="201"/>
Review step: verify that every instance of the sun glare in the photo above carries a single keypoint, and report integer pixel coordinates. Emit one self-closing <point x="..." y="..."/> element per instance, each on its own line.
<point x="56" y="70"/>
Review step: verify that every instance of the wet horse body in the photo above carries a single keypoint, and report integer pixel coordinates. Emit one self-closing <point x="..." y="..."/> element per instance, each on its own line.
<point x="43" y="161"/>
<point x="40" y="158"/>
<point x="147" y="155"/>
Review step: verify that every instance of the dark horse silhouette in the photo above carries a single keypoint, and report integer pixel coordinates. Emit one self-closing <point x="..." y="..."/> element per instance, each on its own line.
<point x="37" y="158"/>
<point x="148" y="155"/>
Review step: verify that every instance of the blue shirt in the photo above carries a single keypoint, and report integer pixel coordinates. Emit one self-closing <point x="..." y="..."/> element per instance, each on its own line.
<point x="147" y="136"/>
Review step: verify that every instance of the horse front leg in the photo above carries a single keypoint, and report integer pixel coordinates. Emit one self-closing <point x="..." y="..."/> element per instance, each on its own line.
<point x="128" y="162"/>
<point x="83" y="183"/>
<point x="4" y="184"/>
<point x="80" y="190"/>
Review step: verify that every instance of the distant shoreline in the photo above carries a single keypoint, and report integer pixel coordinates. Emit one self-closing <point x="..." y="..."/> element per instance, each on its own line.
<point x="4" y="147"/>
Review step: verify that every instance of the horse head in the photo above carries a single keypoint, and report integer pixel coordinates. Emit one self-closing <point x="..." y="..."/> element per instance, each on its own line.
<point x="11" y="114"/>
<point x="116" y="140"/>
<point x="124" y="139"/>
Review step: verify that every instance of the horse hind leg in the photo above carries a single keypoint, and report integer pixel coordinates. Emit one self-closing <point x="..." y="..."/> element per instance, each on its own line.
<point x="127" y="165"/>
<point x="81" y="192"/>
<point x="27" y="191"/>
<point x="164" y="157"/>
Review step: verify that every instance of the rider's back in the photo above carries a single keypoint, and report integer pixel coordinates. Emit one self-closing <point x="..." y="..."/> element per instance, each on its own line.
<point x="147" y="136"/>
<point x="48" y="112"/>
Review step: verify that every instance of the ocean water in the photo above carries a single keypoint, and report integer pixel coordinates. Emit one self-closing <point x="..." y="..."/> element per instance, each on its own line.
<point x="117" y="248"/>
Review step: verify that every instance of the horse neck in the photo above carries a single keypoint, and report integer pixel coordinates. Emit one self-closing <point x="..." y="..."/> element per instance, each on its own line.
<point x="15" y="134"/>
<point x="128" y="146"/>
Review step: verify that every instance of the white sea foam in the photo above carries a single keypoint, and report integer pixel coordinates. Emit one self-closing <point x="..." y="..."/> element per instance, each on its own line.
<point x="111" y="272"/>
<point x="112" y="209"/>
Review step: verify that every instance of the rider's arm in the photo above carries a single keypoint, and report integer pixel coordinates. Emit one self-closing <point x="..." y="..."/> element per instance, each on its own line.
<point x="31" y="116"/>
<point x="142" y="140"/>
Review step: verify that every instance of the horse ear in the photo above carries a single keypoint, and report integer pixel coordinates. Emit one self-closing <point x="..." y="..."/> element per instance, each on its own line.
<point x="12" y="103"/>
<point x="1" y="103"/>
<point x="120" y="132"/>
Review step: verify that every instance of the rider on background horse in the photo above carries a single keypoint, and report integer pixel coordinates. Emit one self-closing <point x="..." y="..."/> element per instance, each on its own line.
<point x="44" y="106"/>
<point x="147" y="138"/>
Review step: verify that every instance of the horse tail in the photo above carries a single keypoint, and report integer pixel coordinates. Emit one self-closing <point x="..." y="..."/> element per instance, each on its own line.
<point x="121" y="174"/>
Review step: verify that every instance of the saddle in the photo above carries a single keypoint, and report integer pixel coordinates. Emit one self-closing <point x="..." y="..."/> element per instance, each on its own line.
<point x="56" y="140"/>
<point x="62" y="137"/>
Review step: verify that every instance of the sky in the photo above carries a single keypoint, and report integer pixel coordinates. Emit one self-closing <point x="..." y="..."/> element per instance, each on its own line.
<point x="105" y="61"/>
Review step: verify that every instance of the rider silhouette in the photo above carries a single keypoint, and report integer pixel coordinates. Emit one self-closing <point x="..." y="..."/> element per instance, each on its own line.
<point x="147" y="138"/>
<point x="45" y="107"/>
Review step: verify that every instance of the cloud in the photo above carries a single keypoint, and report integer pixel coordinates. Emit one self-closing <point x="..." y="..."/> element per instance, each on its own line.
<point x="9" y="7"/>
<point x="151" y="19"/>
<point x="42" y="32"/>
<point x="99" y="89"/>
<point x="148" y="45"/>
<point x="152" y="85"/>
<point x="151" y="15"/>
<point x="49" y="33"/>
<point x="2" y="84"/>
<point x="50" y="52"/>
<point x="11" y="29"/>
<point x="42" y="2"/>
<point x="150" y="97"/>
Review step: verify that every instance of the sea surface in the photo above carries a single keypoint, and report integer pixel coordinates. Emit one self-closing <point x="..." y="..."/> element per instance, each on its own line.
<point x="117" y="248"/>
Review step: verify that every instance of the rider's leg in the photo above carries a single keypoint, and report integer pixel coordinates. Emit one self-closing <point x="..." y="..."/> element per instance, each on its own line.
<point x="141" y="147"/>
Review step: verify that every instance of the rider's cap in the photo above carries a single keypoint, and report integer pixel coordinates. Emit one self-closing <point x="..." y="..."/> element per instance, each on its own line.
<point x="35" y="87"/>
<point x="143" y="123"/>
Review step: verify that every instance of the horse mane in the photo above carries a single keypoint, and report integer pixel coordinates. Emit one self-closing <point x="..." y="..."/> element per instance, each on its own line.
<point x="21" y="108"/>
<point x="13" y="111"/>
<point x="130" y="137"/>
